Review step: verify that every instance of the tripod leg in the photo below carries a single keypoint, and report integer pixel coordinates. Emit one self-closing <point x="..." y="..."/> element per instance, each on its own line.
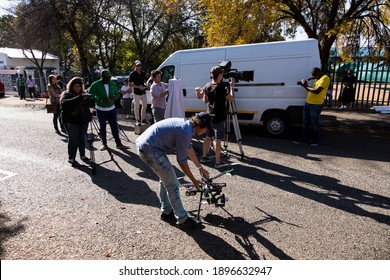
<point x="200" y="204"/>
<point x="91" y="150"/>
<point x="122" y="132"/>
<point x="226" y="139"/>
<point x="237" y="128"/>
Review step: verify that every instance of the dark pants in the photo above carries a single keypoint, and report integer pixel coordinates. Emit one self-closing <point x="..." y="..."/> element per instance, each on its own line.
<point x="31" y="91"/>
<point x="110" y="117"/>
<point x="311" y="116"/>
<point x="22" y="92"/>
<point x="57" y="118"/>
<point x="76" y="139"/>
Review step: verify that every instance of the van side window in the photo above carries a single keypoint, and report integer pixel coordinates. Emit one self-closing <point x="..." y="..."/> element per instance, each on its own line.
<point x="168" y="72"/>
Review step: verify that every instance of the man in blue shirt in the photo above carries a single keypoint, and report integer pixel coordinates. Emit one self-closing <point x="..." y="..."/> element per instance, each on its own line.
<point x="167" y="135"/>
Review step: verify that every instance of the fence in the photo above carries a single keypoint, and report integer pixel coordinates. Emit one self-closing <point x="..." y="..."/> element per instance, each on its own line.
<point x="373" y="81"/>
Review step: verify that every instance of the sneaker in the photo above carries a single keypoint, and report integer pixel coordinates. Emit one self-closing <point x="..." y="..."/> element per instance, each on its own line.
<point x="144" y="121"/>
<point x="84" y="158"/>
<point x="188" y="223"/>
<point x="103" y="148"/>
<point x="137" y="123"/>
<point x="166" y="217"/>
<point x="314" y="144"/>
<point x="122" y="147"/>
<point x="205" y="159"/>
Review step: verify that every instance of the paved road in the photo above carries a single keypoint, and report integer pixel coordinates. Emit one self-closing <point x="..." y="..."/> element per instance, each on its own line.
<point x="286" y="201"/>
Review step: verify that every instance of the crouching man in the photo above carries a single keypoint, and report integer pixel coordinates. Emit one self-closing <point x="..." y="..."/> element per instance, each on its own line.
<point x="167" y="135"/>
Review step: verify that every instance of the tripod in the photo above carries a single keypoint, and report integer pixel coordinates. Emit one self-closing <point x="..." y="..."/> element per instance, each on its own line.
<point x="232" y="118"/>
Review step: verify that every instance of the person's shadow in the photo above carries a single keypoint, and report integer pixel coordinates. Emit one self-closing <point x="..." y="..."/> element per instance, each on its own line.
<point x="8" y="230"/>
<point x="124" y="188"/>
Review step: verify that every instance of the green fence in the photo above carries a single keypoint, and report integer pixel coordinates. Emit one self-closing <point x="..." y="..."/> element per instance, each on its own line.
<point x="373" y="81"/>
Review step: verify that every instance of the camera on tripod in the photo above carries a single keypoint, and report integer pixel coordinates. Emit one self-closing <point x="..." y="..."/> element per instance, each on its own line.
<point x="246" y="76"/>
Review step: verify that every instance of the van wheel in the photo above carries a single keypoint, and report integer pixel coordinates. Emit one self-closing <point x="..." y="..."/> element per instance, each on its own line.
<point x="276" y="125"/>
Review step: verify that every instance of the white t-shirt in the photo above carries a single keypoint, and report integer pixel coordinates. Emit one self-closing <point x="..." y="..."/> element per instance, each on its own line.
<point x="126" y="95"/>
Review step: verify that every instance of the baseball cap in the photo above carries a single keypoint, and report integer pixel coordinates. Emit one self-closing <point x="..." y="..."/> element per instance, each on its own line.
<point x="137" y="62"/>
<point x="106" y="74"/>
<point x="206" y="120"/>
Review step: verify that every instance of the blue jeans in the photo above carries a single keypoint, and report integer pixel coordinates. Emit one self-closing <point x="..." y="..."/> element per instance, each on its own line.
<point x="311" y="116"/>
<point x="77" y="138"/>
<point x="110" y="117"/>
<point x="169" y="184"/>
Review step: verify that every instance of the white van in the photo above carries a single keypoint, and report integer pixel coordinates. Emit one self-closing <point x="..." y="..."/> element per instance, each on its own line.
<point x="271" y="98"/>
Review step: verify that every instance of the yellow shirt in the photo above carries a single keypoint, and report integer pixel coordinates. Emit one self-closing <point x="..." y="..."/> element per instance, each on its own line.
<point x="319" y="98"/>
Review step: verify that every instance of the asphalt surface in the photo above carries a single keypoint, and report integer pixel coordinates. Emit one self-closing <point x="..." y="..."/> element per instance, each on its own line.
<point x="286" y="201"/>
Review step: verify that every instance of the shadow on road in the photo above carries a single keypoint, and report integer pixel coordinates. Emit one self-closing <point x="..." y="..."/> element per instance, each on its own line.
<point x="8" y="230"/>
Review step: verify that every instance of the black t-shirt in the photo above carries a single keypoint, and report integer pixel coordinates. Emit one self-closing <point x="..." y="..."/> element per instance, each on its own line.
<point x="138" y="79"/>
<point x="216" y="93"/>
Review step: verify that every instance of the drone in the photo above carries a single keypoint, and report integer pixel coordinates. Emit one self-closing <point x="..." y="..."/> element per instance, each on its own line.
<point x="210" y="192"/>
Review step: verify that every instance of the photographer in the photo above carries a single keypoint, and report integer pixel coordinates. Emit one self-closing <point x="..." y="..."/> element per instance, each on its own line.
<point x="215" y="94"/>
<point x="76" y="115"/>
<point x="313" y="106"/>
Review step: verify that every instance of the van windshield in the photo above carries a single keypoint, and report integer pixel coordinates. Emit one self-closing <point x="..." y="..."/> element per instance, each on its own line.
<point x="168" y="72"/>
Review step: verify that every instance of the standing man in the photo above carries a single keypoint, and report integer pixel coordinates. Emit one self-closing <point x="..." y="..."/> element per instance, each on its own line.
<point x="313" y="107"/>
<point x="105" y="92"/>
<point x="153" y="145"/>
<point x="159" y="92"/>
<point x="21" y="83"/>
<point x="31" y="86"/>
<point x="137" y="80"/>
<point x="215" y="94"/>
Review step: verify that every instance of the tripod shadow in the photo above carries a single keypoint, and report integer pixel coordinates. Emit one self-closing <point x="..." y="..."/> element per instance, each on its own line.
<point x="243" y="230"/>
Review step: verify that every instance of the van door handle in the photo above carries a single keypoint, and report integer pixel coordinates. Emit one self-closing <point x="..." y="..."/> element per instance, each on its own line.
<point x="184" y="92"/>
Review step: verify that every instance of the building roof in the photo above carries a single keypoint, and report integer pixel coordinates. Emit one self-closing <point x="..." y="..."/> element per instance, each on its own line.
<point x="18" y="53"/>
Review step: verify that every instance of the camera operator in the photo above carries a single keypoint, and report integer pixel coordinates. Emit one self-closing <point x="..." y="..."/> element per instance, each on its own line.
<point x="312" y="109"/>
<point x="76" y="115"/>
<point x="215" y="94"/>
<point x="105" y="92"/>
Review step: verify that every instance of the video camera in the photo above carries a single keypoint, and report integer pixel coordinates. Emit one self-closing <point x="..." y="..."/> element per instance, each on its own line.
<point x="88" y="100"/>
<point x="246" y="76"/>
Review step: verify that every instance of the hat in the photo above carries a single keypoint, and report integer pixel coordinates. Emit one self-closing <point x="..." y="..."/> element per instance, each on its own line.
<point x="206" y="120"/>
<point x="106" y="74"/>
<point x="137" y="62"/>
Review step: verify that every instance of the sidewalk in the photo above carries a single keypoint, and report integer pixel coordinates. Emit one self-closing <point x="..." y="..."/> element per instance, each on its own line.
<point x="11" y="99"/>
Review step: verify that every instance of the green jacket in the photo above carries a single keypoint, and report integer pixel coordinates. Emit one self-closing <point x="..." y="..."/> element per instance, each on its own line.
<point x="98" y="93"/>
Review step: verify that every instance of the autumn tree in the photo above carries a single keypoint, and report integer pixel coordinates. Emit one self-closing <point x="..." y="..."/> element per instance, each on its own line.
<point x="354" y="22"/>
<point x="231" y="22"/>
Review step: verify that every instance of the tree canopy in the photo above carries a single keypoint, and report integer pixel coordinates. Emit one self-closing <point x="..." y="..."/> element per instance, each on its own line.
<point x="114" y="33"/>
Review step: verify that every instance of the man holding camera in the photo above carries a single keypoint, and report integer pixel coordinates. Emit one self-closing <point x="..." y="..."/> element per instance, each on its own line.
<point x="105" y="92"/>
<point x="313" y="106"/>
<point x="215" y="94"/>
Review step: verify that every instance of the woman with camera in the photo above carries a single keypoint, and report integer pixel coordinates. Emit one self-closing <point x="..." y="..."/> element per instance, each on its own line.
<point x="75" y="113"/>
